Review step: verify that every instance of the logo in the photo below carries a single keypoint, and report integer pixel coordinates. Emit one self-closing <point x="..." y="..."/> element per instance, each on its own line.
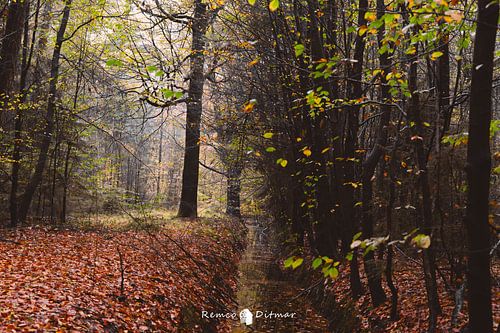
<point x="246" y="317"/>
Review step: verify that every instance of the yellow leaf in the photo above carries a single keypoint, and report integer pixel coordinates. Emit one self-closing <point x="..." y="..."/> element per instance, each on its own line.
<point x="254" y="62"/>
<point x="283" y="163"/>
<point x="307" y="152"/>
<point x="362" y="30"/>
<point x="325" y="150"/>
<point x="411" y="50"/>
<point x="370" y="16"/>
<point x="436" y="55"/>
<point x="273" y="5"/>
<point x="248" y="108"/>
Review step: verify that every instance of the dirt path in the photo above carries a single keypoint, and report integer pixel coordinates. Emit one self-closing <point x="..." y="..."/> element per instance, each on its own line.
<point x="269" y="294"/>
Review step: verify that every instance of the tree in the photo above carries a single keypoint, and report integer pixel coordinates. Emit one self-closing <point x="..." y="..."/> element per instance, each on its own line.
<point x="37" y="175"/>
<point x="478" y="170"/>
<point x="11" y="46"/>
<point x="189" y="193"/>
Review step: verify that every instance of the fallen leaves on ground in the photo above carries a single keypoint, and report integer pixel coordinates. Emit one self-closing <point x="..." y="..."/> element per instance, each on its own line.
<point x="412" y="304"/>
<point x="71" y="281"/>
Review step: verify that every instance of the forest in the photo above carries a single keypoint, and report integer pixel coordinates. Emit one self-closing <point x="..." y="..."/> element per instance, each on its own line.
<point x="250" y="166"/>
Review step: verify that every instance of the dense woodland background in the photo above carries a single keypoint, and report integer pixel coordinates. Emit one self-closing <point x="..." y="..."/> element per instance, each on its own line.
<point x="367" y="130"/>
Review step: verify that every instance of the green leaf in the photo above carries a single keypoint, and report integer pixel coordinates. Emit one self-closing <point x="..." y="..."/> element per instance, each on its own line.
<point x="114" y="63"/>
<point x="368" y="250"/>
<point x="357" y="236"/>
<point x="273" y="5"/>
<point x="151" y="69"/>
<point x="297" y="262"/>
<point x="299" y="49"/>
<point x="333" y="272"/>
<point x="252" y="2"/>
<point x="316" y="263"/>
<point x="288" y="262"/>
<point x="270" y="149"/>
<point x="268" y="135"/>
<point x="349" y="256"/>
<point x="422" y="241"/>
<point x="167" y="93"/>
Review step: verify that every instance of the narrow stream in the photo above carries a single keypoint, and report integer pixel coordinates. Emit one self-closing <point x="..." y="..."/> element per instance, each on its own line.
<point x="269" y="294"/>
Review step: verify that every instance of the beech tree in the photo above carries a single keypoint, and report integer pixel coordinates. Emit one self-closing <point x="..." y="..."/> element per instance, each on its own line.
<point x="478" y="170"/>
<point x="190" y="172"/>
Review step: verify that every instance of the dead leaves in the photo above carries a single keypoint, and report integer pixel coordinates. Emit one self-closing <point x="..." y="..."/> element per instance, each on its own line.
<point x="62" y="281"/>
<point x="412" y="304"/>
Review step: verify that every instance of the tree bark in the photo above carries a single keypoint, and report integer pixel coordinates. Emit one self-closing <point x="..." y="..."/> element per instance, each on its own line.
<point x="348" y="201"/>
<point x="65" y="184"/>
<point x="11" y="46"/>
<point x="18" y="120"/>
<point x="478" y="171"/>
<point x="426" y="204"/>
<point x="373" y="271"/>
<point x="233" y="192"/>
<point x="189" y="195"/>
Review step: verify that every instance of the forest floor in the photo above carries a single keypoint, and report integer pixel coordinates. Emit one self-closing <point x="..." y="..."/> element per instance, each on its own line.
<point x="412" y="302"/>
<point x="160" y="275"/>
<point x="156" y="278"/>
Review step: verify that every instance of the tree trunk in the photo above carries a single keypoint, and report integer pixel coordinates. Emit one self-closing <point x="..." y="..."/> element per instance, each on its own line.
<point x="36" y="178"/>
<point x="160" y="157"/>
<point x="188" y="206"/>
<point x="478" y="171"/>
<point x="11" y="45"/>
<point x="65" y="184"/>
<point x="233" y="192"/>
<point x="391" y="169"/>
<point x="426" y="205"/>
<point x="373" y="270"/>
<point x="18" y="120"/>
<point x="349" y="200"/>
<point x="443" y="85"/>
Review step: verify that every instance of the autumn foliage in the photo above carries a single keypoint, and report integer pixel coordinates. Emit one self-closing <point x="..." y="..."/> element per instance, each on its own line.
<point x="58" y="280"/>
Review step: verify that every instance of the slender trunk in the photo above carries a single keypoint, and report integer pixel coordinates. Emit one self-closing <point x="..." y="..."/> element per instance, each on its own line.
<point x="189" y="196"/>
<point x="18" y="120"/>
<point x="372" y="269"/>
<point x="426" y="205"/>
<point x="36" y="178"/>
<point x="389" y="209"/>
<point x="233" y="192"/>
<point x="478" y="171"/>
<point x="349" y="200"/>
<point x="65" y="184"/>
<point x="54" y="181"/>
<point x="160" y="157"/>
<point x="443" y="85"/>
